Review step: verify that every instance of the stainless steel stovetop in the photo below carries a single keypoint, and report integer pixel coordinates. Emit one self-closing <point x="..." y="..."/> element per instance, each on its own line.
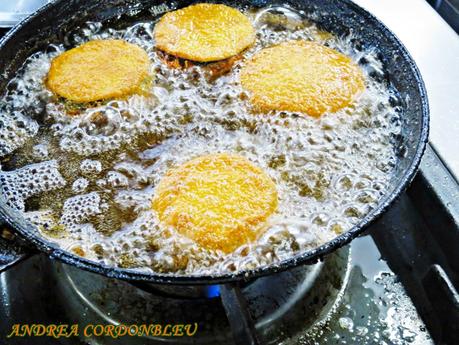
<point x="352" y="299"/>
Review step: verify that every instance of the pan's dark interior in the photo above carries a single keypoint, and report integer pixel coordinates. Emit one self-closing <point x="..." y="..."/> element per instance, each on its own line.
<point x="52" y="23"/>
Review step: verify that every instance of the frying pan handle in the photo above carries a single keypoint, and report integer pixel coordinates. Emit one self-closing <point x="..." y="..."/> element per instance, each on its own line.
<point x="11" y="251"/>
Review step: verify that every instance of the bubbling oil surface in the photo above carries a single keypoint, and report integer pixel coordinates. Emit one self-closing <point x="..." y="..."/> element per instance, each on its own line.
<point x="87" y="181"/>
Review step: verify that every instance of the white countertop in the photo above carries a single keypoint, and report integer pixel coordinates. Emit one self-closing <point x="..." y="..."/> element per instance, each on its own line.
<point x="435" y="48"/>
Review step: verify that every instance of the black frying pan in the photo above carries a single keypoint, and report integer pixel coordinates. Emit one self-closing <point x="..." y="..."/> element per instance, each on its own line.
<point x="51" y="23"/>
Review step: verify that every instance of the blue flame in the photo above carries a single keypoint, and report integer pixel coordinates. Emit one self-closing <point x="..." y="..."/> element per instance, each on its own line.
<point x="213" y="291"/>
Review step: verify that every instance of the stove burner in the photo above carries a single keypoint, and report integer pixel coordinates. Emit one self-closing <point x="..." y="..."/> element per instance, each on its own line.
<point x="179" y="291"/>
<point x="281" y="305"/>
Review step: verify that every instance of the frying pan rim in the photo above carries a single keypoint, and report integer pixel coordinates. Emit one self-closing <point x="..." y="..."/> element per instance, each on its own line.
<point x="309" y="256"/>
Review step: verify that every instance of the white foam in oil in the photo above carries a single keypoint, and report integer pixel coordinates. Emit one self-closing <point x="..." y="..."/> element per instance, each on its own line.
<point x="100" y="167"/>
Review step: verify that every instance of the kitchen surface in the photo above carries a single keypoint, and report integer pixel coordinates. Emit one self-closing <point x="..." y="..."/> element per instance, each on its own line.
<point x="435" y="47"/>
<point x="395" y="284"/>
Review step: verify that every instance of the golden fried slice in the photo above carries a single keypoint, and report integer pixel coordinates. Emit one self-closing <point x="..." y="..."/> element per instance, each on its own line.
<point x="98" y="70"/>
<point x="301" y="76"/>
<point x="204" y="32"/>
<point x="219" y="200"/>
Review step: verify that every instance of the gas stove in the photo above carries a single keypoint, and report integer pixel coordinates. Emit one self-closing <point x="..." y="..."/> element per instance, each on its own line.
<point x="396" y="284"/>
<point x="351" y="297"/>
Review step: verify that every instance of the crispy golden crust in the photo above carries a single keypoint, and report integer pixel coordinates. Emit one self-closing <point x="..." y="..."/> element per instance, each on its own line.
<point x="301" y="76"/>
<point x="219" y="200"/>
<point x="204" y="32"/>
<point x="98" y="70"/>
